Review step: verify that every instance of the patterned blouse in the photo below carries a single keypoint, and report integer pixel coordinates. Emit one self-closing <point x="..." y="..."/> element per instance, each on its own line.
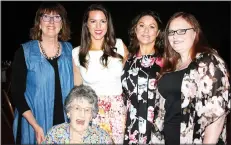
<point x="138" y="79"/>
<point x="60" y="134"/>
<point x="205" y="97"/>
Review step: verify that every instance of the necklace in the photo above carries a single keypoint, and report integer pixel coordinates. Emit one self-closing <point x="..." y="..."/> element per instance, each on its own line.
<point x="44" y="53"/>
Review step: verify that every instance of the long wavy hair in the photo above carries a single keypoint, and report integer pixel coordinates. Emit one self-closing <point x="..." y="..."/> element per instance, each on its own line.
<point x="200" y="44"/>
<point x="46" y="8"/>
<point x="134" y="42"/>
<point x="109" y="42"/>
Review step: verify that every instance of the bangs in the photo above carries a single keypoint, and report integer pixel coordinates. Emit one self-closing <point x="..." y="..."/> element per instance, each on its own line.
<point x="48" y="8"/>
<point x="50" y="11"/>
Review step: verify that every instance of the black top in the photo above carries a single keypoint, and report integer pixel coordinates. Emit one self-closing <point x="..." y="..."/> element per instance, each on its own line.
<point x="19" y="73"/>
<point x="169" y="87"/>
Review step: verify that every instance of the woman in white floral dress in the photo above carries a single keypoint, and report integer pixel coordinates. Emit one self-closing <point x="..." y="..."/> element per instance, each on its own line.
<point x="139" y="76"/>
<point x="194" y="109"/>
<point x="98" y="62"/>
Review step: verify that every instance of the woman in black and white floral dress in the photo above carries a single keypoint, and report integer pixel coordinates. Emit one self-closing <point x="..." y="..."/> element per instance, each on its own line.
<point x="139" y="77"/>
<point x="193" y="95"/>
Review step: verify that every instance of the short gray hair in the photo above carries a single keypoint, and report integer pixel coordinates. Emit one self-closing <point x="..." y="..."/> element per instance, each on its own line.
<point x="82" y="92"/>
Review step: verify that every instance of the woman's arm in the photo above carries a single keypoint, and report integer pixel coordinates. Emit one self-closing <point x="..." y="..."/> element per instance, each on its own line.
<point x="19" y="73"/>
<point x="213" y="131"/>
<point x="77" y="75"/>
<point x="215" y="97"/>
<point x="38" y="130"/>
<point x="126" y="52"/>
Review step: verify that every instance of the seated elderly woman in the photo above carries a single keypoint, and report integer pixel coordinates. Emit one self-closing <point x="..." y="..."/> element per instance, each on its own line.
<point x="81" y="107"/>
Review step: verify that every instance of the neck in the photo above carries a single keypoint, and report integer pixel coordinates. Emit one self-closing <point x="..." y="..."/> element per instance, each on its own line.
<point x="183" y="62"/>
<point x="76" y="136"/>
<point x="49" y="42"/>
<point x="185" y="57"/>
<point x="96" y="44"/>
<point x="146" y="49"/>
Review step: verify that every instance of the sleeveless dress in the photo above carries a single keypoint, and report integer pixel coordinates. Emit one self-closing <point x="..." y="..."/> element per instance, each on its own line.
<point x="107" y="84"/>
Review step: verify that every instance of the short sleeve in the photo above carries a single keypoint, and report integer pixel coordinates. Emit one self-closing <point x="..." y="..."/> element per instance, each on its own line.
<point x="58" y="134"/>
<point x="120" y="47"/>
<point x="49" y="136"/>
<point x="213" y="90"/>
<point x="75" y="55"/>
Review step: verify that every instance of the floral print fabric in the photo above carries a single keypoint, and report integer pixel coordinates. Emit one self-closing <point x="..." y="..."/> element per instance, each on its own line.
<point x="111" y="116"/>
<point x="60" y="134"/>
<point x="205" y="97"/>
<point x="138" y="82"/>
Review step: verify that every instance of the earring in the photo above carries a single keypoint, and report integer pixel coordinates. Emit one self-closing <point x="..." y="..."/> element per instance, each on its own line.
<point x="68" y="115"/>
<point x="90" y="123"/>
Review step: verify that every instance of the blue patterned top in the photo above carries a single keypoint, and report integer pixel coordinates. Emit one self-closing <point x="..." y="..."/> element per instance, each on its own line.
<point x="60" y="134"/>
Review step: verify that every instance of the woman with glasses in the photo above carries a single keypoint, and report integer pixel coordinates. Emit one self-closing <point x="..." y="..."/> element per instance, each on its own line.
<point x="193" y="95"/>
<point x="81" y="107"/>
<point x="98" y="62"/>
<point x="42" y="75"/>
<point x="139" y="76"/>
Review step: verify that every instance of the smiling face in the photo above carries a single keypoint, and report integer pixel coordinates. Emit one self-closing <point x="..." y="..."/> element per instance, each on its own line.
<point x="80" y="115"/>
<point x="181" y="43"/>
<point x="147" y="30"/>
<point x="52" y="27"/>
<point x="97" y="24"/>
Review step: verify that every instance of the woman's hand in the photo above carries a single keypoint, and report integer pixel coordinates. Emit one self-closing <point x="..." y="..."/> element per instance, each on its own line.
<point x="39" y="134"/>
<point x="38" y="130"/>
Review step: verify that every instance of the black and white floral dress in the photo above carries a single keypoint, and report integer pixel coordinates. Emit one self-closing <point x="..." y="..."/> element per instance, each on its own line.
<point x="138" y="82"/>
<point x="205" y="97"/>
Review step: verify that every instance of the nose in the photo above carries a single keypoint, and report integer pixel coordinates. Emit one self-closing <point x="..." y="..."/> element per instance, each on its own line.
<point x="175" y="35"/>
<point x="146" y="29"/>
<point x="98" y="25"/>
<point x="82" y="113"/>
<point x="51" y="20"/>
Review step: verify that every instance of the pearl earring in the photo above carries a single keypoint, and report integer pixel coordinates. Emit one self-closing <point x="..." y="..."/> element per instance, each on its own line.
<point x="68" y="115"/>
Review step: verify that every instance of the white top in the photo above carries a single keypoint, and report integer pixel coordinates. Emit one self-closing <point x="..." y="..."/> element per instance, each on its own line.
<point x="105" y="81"/>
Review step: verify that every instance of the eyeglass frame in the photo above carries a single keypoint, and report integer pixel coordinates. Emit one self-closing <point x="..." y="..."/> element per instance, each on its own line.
<point x="176" y="31"/>
<point x="81" y="109"/>
<point x="51" y="17"/>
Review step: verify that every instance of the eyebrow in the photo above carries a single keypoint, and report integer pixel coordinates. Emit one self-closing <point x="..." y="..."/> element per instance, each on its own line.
<point x="96" y="19"/>
<point x="149" y="24"/>
<point x="80" y="106"/>
<point x="52" y="15"/>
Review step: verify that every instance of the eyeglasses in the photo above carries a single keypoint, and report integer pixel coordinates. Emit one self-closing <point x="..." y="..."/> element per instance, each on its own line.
<point x="47" y="18"/>
<point x="179" y="31"/>
<point x="86" y="110"/>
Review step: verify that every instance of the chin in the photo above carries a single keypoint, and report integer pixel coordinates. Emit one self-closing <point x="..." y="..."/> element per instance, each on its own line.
<point x="145" y="42"/>
<point x="81" y="127"/>
<point x="52" y="36"/>
<point x="99" y="38"/>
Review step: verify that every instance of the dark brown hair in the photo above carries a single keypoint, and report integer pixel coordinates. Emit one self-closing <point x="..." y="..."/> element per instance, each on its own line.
<point x="200" y="44"/>
<point x="134" y="43"/>
<point x="109" y="42"/>
<point x="46" y="8"/>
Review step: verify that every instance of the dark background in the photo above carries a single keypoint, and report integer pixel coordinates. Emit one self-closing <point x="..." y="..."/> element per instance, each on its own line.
<point x="18" y="17"/>
<point x="214" y="17"/>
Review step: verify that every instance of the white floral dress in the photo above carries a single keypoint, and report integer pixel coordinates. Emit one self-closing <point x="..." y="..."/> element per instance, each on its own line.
<point x="138" y="79"/>
<point x="205" y="96"/>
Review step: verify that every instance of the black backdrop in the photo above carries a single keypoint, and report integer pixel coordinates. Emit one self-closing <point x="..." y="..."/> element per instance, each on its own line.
<point x="17" y="18"/>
